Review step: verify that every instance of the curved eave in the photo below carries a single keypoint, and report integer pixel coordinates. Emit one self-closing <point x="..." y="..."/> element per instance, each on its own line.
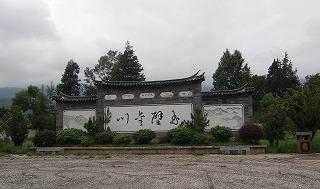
<point x="242" y="90"/>
<point x="67" y="98"/>
<point x="192" y="78"/>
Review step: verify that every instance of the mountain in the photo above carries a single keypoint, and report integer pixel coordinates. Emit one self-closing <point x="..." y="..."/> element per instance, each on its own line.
<point x="6" y="95"/>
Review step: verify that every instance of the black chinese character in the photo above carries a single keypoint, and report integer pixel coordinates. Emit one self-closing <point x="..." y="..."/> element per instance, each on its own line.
<point x="139" y="118"/>
<point x="174" y="119"/>
<point x="157" y="116"/>
<point x="122" y="118"/>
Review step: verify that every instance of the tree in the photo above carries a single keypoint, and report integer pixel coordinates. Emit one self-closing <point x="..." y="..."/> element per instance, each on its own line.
<point x="101" y="70"/>
<point x="259" y="84"/>
<point x="69" y="82"/>
<point x="274" y="118"/>
<point x="313" y="80"/>
<point x="198" y="122"/>
<point x="304" y="108"/>
<point x="37" y="106"/>
<point x="281" y="76"/>
<point x="127" y="68"/>
<point x="232" y="72"/>
<point x="15" y="125"/>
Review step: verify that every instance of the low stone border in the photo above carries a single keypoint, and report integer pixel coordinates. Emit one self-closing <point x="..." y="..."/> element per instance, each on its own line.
<point x="250" y="149"/>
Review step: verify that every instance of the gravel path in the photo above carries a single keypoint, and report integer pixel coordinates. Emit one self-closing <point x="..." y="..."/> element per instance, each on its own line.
<point x="162" y="171"/>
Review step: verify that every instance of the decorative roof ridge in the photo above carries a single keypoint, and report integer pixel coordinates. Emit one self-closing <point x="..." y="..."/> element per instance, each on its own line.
<point x="193" y="77"/>
<point x="68" y="98"/>
<point x="239" y="90"/>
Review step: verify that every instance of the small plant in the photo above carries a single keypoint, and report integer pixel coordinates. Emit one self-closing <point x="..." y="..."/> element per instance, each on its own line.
<point x="200" y="139"/>
<point x="105" y="137"/>
<point x="94" y="126"/>
<point x="143" y="136"/>
<point x="250" y="133"/>
<point x="198" y="121"/>
<point x="221" y="134"/>
<point x="122" y="139"/>
<point x="86" y="141"/>
<point x="45" y="138"/>
<point x="70" y="136"/>
<point x="181" y="135"/>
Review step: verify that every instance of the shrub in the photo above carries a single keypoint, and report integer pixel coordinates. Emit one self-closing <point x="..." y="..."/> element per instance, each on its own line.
<point x="143" y="136"/>
<point x="94" y="126"/>
<point x="70" y="136"/>
<point x="200" y="138"/>
<point x="105" y="137"/>
<point x="221" y="134"/>
<point x="122" y="139"/>
<point x="181" y="135"/>
<point x="250" y="133"/>
<point x="44" y="138"/>
<point x="198" y="121"/>
<point x="86" y="141"/>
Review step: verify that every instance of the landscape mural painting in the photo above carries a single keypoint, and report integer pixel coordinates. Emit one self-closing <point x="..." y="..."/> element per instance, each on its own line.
<point x="230" y="115"/>
<point x="77" y="118"/>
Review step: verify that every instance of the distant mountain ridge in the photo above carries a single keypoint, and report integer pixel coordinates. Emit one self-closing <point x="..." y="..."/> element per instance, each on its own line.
<point x="6" y="94"/>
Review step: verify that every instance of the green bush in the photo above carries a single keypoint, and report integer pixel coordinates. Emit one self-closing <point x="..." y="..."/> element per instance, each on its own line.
<point x="70" y="136"/>
<point x="181" y="135"/>
<point x="143" y="136"/>
<point x="45" y="138"/>
<point x="105" y="137"/>
<point x="198" y="121"/>
<point x="86" y="141"/>
<point x="200" y="138"/>
<point x="94" y="126"/>
<point x="122" y="139"/>
<point x="221" y="134"/>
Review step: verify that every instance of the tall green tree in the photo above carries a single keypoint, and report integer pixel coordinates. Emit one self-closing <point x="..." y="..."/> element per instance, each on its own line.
<point x="37" y="106"/>
<point x="70" y="82"/>
<point x="281" y="76"/>
<point x="313" y="80"/>
<point x="127" y="68"/>
<point x="259" y="84"/>
<point x="232" y="72"/>
<point x="101" y="70"/>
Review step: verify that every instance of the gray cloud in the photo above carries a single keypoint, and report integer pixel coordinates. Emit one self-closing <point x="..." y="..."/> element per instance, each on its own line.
<point x="171" y="38"/>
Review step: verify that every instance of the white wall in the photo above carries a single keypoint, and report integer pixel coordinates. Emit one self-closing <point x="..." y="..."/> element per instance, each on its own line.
<point x="127" y="119"/>
<point x="77" y="118"/>
<point x="228" y="115"/>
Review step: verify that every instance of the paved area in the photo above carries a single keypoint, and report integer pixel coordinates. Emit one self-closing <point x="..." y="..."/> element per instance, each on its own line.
<point x="162" y="171"/>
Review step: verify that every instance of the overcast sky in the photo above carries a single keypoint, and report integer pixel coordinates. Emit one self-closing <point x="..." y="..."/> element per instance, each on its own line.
<point x="172" y="39"/>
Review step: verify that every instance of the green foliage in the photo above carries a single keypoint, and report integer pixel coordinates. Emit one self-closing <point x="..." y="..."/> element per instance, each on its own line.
<point x="181" y="135"/>
<point x="69" y="136"/>
<point x="39" y="109"/>
<point x="313" y="80"/>
<point x="127" y="68"/>
<point x="221" y="133"/>
<point x="105" y="137"/>
<point x="303" y="108"/>
<point x="101" y="70"/>
<point x="274" y="118"/>
<point x="259" y="84"/>
<point x="86" y="141"/>
<point x="94" y="126"/>
<point x="281" y="76"/>
<point x="15" y="125"/>
<point x="232" y="72"/>
<point x="45" y="138"/>
<point x="9" y="148"/>
<point x="143" y="136"/>
<point x="198" y="121"/>
<point x="250" y="133"/>
<point x="200" y="138"/>
<point x="122" y="139"/>
<point x="70" y="82"/>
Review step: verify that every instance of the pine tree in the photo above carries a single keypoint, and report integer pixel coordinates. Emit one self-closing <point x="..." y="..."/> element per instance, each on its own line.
<point x="281" y="76"/>
<point x="128" y="67"/>
<point x="232" y="72"/>
<point x="69" y="82"/>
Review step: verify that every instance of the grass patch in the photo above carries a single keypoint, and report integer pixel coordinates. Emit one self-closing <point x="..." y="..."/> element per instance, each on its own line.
<point x="199" y="153"/>
<point x="91" y="154"/>
<point x="7" y="147"/>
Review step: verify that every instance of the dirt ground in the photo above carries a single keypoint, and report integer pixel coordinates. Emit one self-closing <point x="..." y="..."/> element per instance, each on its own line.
<point x="162" y="171"/>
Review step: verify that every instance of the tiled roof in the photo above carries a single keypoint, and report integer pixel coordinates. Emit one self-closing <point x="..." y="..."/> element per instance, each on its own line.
<point x="194" y="77"/>
<point x="241" y="90"/>
<point x="67" y="98"/>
